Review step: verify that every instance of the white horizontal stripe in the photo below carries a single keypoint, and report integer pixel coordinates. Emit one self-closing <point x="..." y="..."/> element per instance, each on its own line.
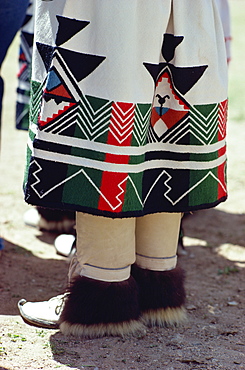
<point x="129" y="150"/>
<point x="24" y="99"/>
<point x="127" y="168"/>
<point x="34" y="128"/>
<point x="156" y="264"/>
<point x="109" y="275"/>
<point x="30" y="144"/>
<point x="24" y="85"/>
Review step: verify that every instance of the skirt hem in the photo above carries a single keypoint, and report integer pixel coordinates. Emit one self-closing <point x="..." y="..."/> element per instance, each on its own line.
<point x="127" y="214"/>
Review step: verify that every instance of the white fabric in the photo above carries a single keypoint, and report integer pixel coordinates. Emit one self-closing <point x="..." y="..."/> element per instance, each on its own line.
<point x="105" y="247"/>
<point x="117" y="72"/>
<point x="156" y="85"/>
<point x="157" y="240"/>
<point x="156" y="263"/>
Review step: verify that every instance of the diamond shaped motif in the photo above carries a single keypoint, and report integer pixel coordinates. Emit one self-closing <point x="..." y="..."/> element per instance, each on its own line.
<point x="169" y="107"/>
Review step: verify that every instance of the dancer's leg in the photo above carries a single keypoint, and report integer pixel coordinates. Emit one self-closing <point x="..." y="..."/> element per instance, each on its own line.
<point x="160" y="282"/>
<point x="103" y="297"/>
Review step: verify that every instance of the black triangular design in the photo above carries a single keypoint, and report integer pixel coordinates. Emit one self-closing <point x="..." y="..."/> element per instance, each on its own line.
<point x="68" y="27"/>
<point x="46" y="52"/>
<point x="170" y="42"/>
<point x="28" y="37"/>
<point x="28" y="17"/>
<point x="81" y="65"/>
<point x="186" y="77"/>
<point x="154" y="70"/>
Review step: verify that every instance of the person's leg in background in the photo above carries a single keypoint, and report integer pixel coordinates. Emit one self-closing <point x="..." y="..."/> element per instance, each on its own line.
<point x="12" y="14"/>
<point x="61" y="222"/>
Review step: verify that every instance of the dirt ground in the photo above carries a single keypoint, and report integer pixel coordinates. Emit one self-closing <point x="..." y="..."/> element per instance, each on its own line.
<point x="212" y="338"/>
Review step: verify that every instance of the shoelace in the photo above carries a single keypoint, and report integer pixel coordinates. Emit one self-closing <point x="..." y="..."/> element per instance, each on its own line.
<point x="59" y="307"/>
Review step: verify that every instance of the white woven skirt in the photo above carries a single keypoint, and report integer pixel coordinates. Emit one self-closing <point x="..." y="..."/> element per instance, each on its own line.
<point x="128" y="109"/>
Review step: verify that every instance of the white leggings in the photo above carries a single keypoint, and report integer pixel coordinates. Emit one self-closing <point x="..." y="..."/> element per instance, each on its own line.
<point x="106" y="248"/>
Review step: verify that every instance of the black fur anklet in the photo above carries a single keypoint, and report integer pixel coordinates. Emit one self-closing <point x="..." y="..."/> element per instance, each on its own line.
<point x="162" y="296"/>
<point x="96" y="308"/>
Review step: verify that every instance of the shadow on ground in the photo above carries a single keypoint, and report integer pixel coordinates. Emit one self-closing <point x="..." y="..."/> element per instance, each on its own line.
<point x="24" y="275"/>
<point x="216" y="227"/>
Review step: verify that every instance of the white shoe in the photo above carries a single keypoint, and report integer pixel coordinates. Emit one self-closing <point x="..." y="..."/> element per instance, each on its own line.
<point x="32" y="217"/>
<point x="65" y="245"/>
<point x="44" y="314"/>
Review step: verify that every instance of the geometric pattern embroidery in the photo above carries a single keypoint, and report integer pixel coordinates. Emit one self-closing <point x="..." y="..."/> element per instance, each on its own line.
<point x="141" y="123"/>
<point x="223" y="109"/>
<point x="117" y="158"/>
<point x="92" y="116"/>
<point x="170" y="112"/>
<point x="199" y="126"/>
<point x="169" y="108"/>
<point x="36" y="96"/>
<point x="203" y="123"/>
<point x="122" y="122"/>
<point x="90" y="121"/>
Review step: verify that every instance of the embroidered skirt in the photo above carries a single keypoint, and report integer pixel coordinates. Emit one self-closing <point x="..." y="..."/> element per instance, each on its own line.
<point x="128" y="107"/>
